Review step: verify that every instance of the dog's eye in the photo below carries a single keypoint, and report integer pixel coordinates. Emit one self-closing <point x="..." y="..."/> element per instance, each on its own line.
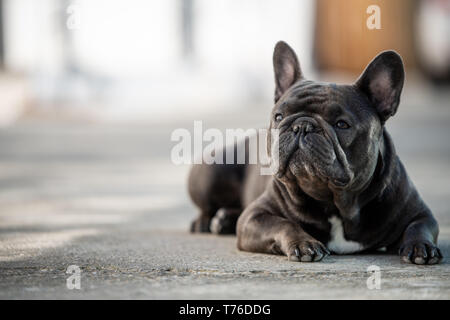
<point x="278" y="117"/>
<point x="341" y="124"/>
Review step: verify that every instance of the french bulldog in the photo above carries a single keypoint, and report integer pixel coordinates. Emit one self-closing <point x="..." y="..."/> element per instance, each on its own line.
<point x="339" y="188"/>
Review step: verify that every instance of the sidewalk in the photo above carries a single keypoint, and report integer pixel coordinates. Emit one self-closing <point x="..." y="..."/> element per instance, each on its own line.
<point x="107" y="199"/>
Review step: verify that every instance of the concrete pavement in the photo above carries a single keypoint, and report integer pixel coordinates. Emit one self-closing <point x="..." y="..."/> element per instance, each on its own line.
<point x="108" y="199"/>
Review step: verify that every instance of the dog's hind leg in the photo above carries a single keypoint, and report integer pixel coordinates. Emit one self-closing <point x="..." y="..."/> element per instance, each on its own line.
<point x="225" y="220"/>
<point x="212" y="187"/>
<point x="203" y="221"/>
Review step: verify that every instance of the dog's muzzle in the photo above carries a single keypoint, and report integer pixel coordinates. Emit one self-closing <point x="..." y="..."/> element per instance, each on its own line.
<point x="322" y="149"/>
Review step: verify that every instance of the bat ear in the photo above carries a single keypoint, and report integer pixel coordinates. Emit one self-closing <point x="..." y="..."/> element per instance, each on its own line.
<point x="286" y="67"/>
<point x="382" y="82"/>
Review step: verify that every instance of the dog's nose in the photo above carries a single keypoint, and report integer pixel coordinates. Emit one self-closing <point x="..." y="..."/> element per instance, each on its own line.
<point x="306" y="127"/>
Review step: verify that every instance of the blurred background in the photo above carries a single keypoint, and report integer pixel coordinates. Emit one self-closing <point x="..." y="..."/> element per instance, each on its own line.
<point x="91" y="90"/>
<point x="141" y="60"/>
<point x="120" y="60"/>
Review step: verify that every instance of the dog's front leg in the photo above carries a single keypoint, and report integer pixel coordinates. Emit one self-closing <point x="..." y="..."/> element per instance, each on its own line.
<point x="419" y="241"/>
<point x="261" y="231"/>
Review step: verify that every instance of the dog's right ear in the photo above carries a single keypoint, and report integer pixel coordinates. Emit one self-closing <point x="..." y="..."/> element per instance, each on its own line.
<point x="286" y="67"/>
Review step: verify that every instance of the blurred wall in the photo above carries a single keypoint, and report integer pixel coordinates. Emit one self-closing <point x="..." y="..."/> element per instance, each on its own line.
<point x="343" y="40"/>
<point x="138" y="58"/>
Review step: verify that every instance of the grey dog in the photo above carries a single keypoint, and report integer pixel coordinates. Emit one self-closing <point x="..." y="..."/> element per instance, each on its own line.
<point x="340" y="187"/>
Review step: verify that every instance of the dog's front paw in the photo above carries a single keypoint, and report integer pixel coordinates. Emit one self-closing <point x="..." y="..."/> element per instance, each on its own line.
<point x="307" y="251"/>
<point x="420" y="252"/>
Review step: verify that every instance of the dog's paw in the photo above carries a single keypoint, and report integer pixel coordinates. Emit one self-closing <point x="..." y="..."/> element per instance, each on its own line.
<point x="200" y="225"/>
<point x="224" y="222"/>
<point x="307" y="251"/>
<point x="420" y="252"/>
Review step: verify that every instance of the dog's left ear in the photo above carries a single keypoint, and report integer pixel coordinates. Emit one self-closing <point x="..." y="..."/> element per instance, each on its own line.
<point x="382" y="82"/>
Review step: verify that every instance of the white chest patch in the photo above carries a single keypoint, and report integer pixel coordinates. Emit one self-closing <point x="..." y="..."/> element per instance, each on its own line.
<point x="338" y="243"/>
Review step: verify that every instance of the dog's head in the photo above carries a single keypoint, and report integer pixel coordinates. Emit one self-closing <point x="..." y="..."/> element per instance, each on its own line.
<point x="330" y="135"/>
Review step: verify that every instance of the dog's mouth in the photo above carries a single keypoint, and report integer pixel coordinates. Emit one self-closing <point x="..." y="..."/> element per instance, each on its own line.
<point x="311" y="150"/>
